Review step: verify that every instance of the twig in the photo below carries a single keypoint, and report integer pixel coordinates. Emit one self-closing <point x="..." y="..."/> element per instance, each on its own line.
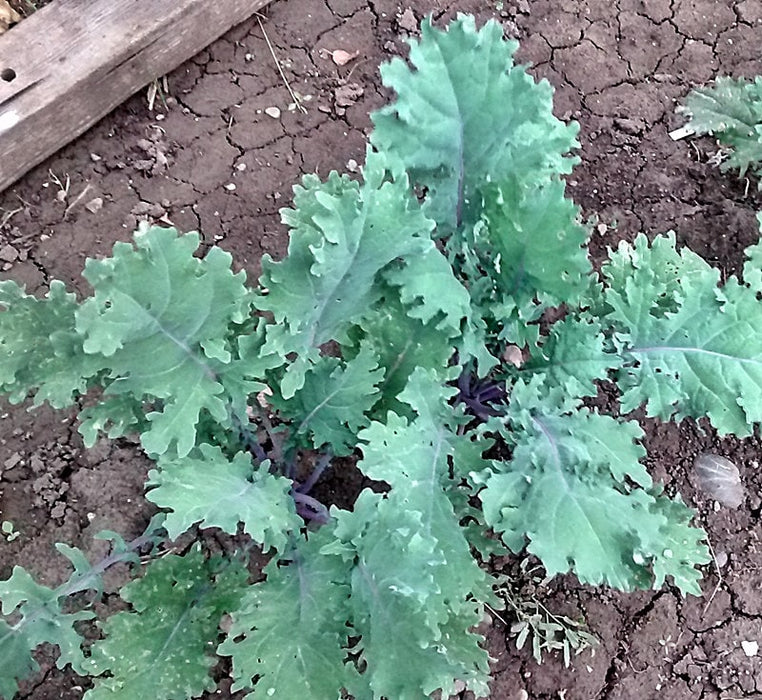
<point x="9" y="214"/>
<point x="76" y="199"/>
<point x="720" y="578"/>
<point x="294" y="96"/>
<point x="495" y="614"/>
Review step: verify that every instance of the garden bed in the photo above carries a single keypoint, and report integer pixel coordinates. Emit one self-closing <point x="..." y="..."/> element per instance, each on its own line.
<point x="220" y="153"/>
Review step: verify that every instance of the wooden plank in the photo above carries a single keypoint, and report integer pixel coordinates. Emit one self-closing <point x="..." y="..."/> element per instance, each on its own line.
<point x="73" y="61"/>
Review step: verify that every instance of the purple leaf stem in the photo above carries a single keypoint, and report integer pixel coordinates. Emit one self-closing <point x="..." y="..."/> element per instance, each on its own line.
<point x="310" y="508"/>
<point x="317" y="472"/>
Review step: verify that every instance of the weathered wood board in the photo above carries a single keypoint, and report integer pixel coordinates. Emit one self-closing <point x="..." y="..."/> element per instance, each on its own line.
<point x="72" y="62"/>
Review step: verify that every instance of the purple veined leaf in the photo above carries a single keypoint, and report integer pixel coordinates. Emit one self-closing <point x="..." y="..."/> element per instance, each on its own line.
<point x="719" y="478"/>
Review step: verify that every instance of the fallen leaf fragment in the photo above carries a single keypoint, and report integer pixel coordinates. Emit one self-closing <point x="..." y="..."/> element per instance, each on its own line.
<point x="262" y="397"/>
<point x="513" y="355"/>
<point x="341" y="57"/>
<point x="94" y="205"/>
<point x="719" y="478"/>
<point x="8" y="16"/>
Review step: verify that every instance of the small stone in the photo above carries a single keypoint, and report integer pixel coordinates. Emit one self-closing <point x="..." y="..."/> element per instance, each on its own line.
<point x="95" y="158"/>
<point x="750" y="648"/>
<point x="633" y="127"/>
<point x="273" y="112"/>
<point x="230" y="187"/>
<point x="9" y="254"/>
<point x="407" y="21"/>
<point x="352" y="165"/>
<point x="94" y="205"/>
<point x="141" y="209"/>
<point x="347" y="95"/>
<point x="12" y="461"/>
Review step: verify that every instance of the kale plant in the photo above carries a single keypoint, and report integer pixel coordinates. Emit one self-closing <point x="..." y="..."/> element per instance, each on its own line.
<point x="382" y="335"/>
<point x="730" y="110"/>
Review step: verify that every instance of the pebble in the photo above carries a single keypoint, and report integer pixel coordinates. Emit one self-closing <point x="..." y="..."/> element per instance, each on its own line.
<point x="12" y="461"/>
<point x="407" y="21"/>
<point x="94" y="205"/>
<point x="273" y="112"/>
<point x="348" y="94"/>
<point x="9" y="254"/>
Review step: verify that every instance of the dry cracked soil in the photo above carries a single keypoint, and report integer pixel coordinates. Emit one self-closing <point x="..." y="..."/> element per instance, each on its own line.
<point x="213" y="155"/>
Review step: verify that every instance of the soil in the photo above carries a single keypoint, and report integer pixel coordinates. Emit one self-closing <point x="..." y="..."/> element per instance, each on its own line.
<point x="619" y="68"/>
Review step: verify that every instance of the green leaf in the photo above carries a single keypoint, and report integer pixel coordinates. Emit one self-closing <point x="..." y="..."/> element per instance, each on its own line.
<point x="415" y="580"/>
<point x="161" y="647"/>
<point x="574" y="355"/>
<point x="41" y="620"/>
<point x="690" y="347"/>
<point x="430" y="290"/>
<point x="656" y="275"/>
<point x="752" y="269"/>
<point x="208" y="488"/>
<point x="531" y="244"/>
<point x="156" y="318"/>
<point x="402" y="343"/>
<point x="342" y="235"/>
<point x="454" y="132"/>
<point x="290" y="631"/>
<point x="332" y="404"/>
<point x="731" y="110"/>
<point x="575" y="489"/>
<point x="114" y="416"/>
<point x="40" y="351"/>
<point x="681" y="546"/>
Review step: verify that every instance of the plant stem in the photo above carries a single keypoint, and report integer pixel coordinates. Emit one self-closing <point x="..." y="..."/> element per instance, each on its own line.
<point x="83" y="582"/>
<point x="310" y="508"/>
<point x="248" y="438"/>
<point x="317" y="472"/>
